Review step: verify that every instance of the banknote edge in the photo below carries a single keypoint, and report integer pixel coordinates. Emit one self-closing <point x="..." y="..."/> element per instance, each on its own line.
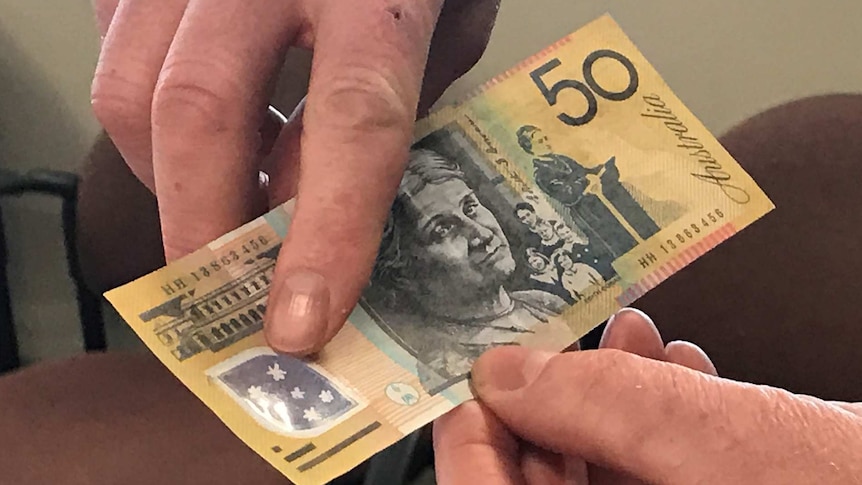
<point x="522" y="64"/>
<point x="474" y="93"/>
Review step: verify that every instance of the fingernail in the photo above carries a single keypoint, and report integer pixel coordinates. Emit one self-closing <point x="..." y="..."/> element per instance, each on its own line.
<point x="690" y="355"/>
<point x="300" y="312"/>
<point x="609" y="328"/>
<point x="508" y="368"/>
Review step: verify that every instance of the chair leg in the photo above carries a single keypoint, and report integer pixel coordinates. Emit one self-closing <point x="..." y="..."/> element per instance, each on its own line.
<point x="63" y="185"/>
<point x="89" y="304"/>
<point x="9" y="357"/>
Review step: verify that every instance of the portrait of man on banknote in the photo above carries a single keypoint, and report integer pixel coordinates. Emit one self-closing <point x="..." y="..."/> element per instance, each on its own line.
<point x="452" y="277"/>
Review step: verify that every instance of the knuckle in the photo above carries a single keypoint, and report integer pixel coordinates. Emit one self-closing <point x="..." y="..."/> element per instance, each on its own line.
<point x="778" y="405"/>
<point x="119" y="103"/>
<point x="363" y="100"/>
<point x="193" y="95"/>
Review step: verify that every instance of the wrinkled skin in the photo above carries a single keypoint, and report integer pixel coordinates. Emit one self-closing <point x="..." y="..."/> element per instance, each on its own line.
<point x="635" y="412"/>
<point x="182" y="88"/>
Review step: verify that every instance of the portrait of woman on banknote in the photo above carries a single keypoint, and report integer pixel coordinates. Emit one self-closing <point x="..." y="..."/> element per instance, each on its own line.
<point x="452" y="277"/>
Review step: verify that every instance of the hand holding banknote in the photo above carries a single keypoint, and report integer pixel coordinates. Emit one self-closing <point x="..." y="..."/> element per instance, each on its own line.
<point x="653" y="414"/>
<point x="490" y="241"/>
<point x="181" y="88"/>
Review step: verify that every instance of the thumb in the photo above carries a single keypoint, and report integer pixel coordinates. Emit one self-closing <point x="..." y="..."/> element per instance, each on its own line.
<point x="661" y="422"/>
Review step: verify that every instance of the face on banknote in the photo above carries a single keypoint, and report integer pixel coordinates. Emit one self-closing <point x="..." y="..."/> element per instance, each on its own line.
<point x="561" y="191"/>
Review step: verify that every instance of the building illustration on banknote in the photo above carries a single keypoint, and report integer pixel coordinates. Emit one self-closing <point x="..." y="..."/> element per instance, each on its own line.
<point x="190" y="323"/>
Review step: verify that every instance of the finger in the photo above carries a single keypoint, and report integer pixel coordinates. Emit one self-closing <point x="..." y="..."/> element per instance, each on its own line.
<point x="662" y="422"/>
<point x="357" y="127"/>
<point x="209" y="104"/>
<point x="689" y="355"/>
<point x="471" y="446"/>
<point x="131" y="58"/>
<point x="629" y="330"/>
<point x="852" y="407"/>
<point x="578" y="471"/>
<point x="633" y="331"/>
<point x="543" y="467"/>
<point x="104" y="10"/>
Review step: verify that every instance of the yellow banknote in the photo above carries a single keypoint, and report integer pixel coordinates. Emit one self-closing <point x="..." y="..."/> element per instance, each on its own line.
<point x="561" y="191"/>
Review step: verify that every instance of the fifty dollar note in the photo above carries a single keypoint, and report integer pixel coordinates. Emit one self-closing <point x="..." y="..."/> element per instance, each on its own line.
<point x="562" y="191"/>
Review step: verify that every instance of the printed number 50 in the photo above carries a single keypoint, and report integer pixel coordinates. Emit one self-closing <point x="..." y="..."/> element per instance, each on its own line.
<point x="587" y="90"/>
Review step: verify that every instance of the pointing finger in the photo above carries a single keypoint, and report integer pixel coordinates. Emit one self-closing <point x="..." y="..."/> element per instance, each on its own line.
<point x="357" y="128"/>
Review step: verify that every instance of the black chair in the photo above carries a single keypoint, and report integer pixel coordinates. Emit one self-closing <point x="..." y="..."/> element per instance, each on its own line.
<point x="63" y="185"/>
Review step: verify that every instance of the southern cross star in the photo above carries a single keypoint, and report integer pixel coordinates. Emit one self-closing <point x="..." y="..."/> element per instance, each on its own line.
<point x="276" y="372"/>
<point x="311" y="414"/>
<point x="256" y="393"/>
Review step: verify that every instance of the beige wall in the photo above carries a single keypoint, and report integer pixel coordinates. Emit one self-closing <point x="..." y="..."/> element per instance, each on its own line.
<point x="727" y="59"/>
<point x="48" y="51"/>
<point x="47" y="54"/>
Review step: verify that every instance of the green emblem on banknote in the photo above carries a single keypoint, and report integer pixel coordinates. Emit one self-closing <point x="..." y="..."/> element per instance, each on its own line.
<point x="402" y="393"/>
<point x="561" y="191"/>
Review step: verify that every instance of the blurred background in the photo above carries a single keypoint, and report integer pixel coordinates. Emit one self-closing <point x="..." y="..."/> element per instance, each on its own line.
<point x="725" y="59"/>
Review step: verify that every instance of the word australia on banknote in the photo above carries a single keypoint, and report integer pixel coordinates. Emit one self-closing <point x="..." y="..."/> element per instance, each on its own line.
<point x="563" y="190"/>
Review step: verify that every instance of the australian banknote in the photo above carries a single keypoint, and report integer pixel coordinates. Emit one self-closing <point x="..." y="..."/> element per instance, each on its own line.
<point x="559" y="192"/>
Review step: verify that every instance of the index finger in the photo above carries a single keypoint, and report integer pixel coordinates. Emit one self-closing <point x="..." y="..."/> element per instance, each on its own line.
<point x="367" y="70"/>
